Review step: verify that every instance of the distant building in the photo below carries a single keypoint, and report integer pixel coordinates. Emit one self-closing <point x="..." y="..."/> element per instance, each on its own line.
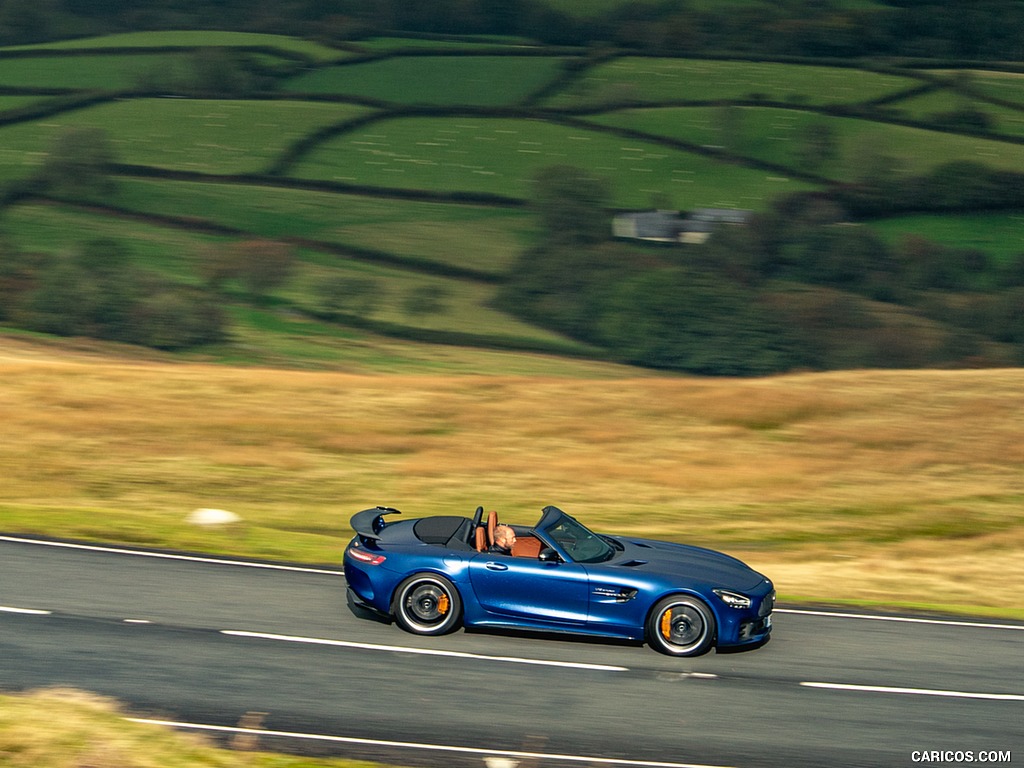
<point x="653" y="226"/>
<point x="671" y="227"/>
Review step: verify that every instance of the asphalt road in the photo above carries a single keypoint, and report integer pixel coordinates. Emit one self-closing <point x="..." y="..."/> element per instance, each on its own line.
<point x="201" y="643"/>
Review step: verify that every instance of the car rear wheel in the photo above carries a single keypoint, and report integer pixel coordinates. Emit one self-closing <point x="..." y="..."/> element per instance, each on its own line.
<point x="427" y="604"/>
<point x="680" y="625"/>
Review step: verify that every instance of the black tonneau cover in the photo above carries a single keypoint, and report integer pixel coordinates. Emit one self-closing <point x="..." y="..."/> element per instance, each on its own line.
<point x="444" y="531"/>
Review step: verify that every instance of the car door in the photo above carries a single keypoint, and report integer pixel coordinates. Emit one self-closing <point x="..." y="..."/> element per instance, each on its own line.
<point x="618" y="600"/>
<point x="531" y="591"/>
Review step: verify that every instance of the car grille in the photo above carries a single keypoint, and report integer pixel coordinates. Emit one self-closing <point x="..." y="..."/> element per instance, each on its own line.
<point x="750" y="629"/>
<point x="767" y="605"/>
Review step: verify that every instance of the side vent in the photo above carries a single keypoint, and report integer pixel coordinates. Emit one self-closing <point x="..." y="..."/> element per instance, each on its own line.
<point x="633" y="563"/>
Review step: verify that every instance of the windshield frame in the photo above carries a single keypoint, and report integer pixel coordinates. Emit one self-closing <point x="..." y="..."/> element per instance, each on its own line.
<point x="577" y="542"/>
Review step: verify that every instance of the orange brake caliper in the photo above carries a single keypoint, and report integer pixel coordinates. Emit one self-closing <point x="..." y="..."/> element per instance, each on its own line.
<point x="442" y="604"/>
<point x="666" y="625"/>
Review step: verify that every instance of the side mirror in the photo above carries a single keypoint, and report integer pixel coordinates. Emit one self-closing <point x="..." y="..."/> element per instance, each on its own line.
<point x="548" y="555"/>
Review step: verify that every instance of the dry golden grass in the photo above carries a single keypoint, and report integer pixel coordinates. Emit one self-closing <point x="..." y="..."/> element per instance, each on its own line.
<point x="901" y="487"/>
<point x="66" y="728"/>
<point x="72" y="729"/>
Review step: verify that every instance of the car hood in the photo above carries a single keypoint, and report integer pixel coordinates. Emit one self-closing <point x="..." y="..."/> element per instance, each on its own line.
<point x="688" y="562"/>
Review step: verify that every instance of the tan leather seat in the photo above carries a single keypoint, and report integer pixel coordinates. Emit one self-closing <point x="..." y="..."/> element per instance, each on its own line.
<point x="492" y="523"/>
<point x="527" y="546"/>
<point x="480" y="540"/>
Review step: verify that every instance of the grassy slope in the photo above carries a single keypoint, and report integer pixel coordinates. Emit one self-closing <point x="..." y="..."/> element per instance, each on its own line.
<point x="61" y="728"/>
<point x="886" y="487"/>
<point x="192" y="39"/>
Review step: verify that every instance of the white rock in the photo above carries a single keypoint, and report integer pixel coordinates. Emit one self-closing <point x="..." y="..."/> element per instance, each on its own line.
<point x="212" y="517"/>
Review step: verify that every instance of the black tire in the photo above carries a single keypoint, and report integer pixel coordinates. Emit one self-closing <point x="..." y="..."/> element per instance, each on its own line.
<point x="681" y="625"/>
<point x="427" y="604"/>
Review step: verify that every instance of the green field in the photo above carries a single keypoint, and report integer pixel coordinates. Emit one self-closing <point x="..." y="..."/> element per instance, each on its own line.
<point x="485" y="44"/>
<point x="8" y="103"/>
<point x="1007" y="121"/>
<point x="482" y="238"/>
<point x="302" y="130"/>
<point x="661" y="80"/>
<point x="1001" y="235"/>
<point x="499" y="156"/>
<point x="489" y="81"/>
<point x="1006" y="86"/>
<point x="464" y="305"/>
<point x="772" y="135"/>
<point x="182" y="134"/>
<point x="592" y="8"/>
<point x="109" y="72"/>
<point x="192" y="39"/>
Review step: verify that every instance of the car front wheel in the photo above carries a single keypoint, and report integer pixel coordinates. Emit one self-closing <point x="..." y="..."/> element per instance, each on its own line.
<point x="680" y="625"/>
<point x="427" y="604"/>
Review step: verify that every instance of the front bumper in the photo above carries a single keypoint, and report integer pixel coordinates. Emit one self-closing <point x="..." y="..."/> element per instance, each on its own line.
<point x="755" y="631"/>
<point x="753" y="627"/>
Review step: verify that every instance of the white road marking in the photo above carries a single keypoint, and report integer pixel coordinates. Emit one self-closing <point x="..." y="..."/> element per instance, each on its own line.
<point x="27" y="611"/>
<point x="916" y="691"/>
<point x="171" y="556"/>
<point x="427" y="747"/>
<point x="904" y="619"/>
<point x="422" y="651"/>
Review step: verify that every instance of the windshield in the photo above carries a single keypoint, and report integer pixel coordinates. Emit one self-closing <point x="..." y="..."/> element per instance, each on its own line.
<point x="581" y="544"/>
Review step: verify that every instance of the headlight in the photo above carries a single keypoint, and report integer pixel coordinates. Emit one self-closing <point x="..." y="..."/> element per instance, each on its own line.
<point x="733" y="599"/>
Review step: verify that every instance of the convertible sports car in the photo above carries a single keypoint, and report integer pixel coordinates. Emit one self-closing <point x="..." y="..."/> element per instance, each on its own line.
<point x="432" y="574"/>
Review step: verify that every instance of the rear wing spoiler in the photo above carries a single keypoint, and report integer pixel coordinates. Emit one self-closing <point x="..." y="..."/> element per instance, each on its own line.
<point x="370" y="522"/>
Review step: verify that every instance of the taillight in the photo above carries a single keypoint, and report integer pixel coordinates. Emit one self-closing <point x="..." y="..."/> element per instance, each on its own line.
<point x="366" y="557"/>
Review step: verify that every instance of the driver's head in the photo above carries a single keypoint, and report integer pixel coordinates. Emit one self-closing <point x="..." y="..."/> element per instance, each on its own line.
<point x="504" y="537"/>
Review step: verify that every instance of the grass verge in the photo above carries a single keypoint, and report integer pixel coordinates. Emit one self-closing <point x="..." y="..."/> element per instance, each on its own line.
<point x="65" y="728"/>
<point x="894" y="487"/>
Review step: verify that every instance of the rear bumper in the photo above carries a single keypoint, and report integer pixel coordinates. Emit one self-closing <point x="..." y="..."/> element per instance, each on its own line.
<point x="356" y="603"/>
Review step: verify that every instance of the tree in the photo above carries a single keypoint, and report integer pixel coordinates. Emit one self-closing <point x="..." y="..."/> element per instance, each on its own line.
<point x="563" y="287"/>
<point x="571" y="203"/>
<point x="358" y="295"/>
<point x="177" y="318"/>
<point x="684" y="319"/>
<point x="17" y="277"/>
<point x="816" y="146"/>
<point x="425" y="300"/>
<point x="263" y="265"/>
<point x="95" y="291"/>
<point x="89" y="292"/>
<point x="25" y="21"/>
<point x="79" y="163"/>
<point x="1010" y="316"/>
<point x="959" y="185"/>
<point x="218" y="73"/>
<point x="60" y="303"/>
<point x="728" y="121"/>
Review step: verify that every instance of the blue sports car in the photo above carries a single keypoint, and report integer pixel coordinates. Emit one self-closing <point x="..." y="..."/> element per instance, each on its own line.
<point x="433" y="574"/>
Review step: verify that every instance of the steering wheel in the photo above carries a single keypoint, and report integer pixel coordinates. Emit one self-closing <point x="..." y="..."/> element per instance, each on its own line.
<point x="477" y="517"/>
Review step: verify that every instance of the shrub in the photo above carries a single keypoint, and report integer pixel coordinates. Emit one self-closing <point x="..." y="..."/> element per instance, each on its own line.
<point x="96" y="292"/>
<point x="177" y="318"/>
<point x="358" y="295"/>
<point x="79" y="164"/>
